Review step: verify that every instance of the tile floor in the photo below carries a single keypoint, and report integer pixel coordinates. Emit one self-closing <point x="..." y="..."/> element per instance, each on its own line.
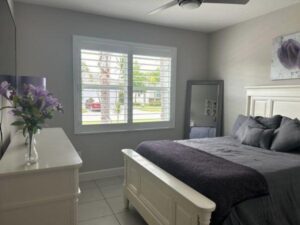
<point x="101" y="203"/>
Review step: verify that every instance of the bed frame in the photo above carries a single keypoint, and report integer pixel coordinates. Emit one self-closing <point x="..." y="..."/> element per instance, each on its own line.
<point x="162" y="199"/>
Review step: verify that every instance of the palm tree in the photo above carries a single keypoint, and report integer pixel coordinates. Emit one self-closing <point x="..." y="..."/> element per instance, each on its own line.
<point x="103" y="63"/>
<point x="86" y="70"/>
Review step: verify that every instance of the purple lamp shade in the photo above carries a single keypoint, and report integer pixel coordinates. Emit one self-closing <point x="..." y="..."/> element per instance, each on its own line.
<point x="36" y="81"/>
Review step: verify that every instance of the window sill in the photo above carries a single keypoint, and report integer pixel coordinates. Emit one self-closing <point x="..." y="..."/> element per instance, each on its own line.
<point x="82" y="131"/>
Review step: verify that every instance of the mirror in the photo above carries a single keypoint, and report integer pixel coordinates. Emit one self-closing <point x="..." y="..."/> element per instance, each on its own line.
<point x="204" y="109"/>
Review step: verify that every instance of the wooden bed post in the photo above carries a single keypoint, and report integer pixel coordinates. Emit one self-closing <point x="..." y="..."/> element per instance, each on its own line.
<point x="161" y="198"/>
<point x="125" y="199"/>
<point x="204" y="218"/>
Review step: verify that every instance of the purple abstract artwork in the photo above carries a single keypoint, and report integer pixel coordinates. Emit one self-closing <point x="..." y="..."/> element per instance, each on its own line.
<point x="286" y="57"/>
<point x="289" y="54"/>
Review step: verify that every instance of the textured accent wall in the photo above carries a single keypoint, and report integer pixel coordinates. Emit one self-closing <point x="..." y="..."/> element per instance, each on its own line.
<point x="241" y="56"/>
<point x="44" y="41"/>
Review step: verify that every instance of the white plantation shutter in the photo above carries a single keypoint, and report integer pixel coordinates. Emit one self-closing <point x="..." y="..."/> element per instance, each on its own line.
<point x="104" y="83"/>
<point x="151" y="88"/>
<point x="121" y="86"/>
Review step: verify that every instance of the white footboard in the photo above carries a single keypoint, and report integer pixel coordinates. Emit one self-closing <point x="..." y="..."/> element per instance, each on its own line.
<point x="159" y="197"/>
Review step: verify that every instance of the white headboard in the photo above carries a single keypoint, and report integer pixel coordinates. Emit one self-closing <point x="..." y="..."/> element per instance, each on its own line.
<point x="273" y="100"/>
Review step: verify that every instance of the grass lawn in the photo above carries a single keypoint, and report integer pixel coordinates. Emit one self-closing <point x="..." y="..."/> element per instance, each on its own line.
<point x="145" y="108"/>
<point x="115" y="122"/>
<point x="148" y="108"/>
<point x="98" y="122"/>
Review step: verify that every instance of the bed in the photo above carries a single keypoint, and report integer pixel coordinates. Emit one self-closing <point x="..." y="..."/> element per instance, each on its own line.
<point x="162" y="199"/>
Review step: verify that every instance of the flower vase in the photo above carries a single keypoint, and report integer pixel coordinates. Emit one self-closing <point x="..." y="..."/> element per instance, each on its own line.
<point x="31" y="157"/>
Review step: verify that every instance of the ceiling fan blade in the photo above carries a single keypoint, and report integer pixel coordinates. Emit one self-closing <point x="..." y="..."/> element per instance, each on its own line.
<point x="242" y="2"/>
<point x="163" y="7"/>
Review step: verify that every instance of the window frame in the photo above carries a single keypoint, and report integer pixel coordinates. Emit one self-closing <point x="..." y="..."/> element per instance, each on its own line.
<point x="129" y="48"/>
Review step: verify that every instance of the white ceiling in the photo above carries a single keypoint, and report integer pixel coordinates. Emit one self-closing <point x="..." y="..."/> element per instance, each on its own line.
<point x="207" y="18"/>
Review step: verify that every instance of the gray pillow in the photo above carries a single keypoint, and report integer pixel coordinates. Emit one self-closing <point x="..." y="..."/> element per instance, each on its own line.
<point x="284" y="120"/>
<point x="238" y="122"/>
<point x="269" y="122"/>
<point x="250" y="122"/>
<point x="258" y="137"/>
<point x="288" y="137"/>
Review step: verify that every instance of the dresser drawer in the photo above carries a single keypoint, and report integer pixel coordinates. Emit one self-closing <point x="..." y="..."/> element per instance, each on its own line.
<point x="27" y="189"/>
<point x="63" y="212"/>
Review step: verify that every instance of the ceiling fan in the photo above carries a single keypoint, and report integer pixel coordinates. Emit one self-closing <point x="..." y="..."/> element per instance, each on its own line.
<point x="193" y="4"/>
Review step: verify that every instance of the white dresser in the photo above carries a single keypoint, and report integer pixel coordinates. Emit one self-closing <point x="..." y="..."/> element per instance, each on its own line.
<point x="45" y="193"/>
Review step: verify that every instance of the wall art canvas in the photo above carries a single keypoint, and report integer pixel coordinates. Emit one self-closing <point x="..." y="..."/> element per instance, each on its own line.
<point x="286" y="57"/>
<point x="210" y="107"/>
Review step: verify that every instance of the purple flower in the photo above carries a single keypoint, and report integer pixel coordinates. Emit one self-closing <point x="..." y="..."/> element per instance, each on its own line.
<point x="28" y="89"/>
<point x="50" y="101"/>
<point x="32" y="107"/>
<point x="289" y="54"/>
<point x="4" y="88"/>
<point x="37" y="94"/>
<point x="41" y="92"/>
<point x="42" y="98"/>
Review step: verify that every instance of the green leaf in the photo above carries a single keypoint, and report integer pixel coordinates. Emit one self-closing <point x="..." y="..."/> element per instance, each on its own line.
<point x="24" y="131"/>
<point x="17" y="113"/>
<point x="18" y="123"/>
<point x="34" y="130"/>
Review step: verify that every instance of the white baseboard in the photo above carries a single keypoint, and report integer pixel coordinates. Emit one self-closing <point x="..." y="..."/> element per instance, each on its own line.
<point x="98" y="174"/>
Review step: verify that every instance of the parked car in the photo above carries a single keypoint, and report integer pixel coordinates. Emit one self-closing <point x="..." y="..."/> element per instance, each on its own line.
<point x="93" y="105"/>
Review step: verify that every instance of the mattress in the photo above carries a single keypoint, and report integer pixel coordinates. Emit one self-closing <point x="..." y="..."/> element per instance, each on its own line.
<point x="281" y="171"/>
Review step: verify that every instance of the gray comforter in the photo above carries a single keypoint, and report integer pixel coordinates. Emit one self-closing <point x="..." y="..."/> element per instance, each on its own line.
<point x="282" y="172"/>
<point x="224" y="182"/>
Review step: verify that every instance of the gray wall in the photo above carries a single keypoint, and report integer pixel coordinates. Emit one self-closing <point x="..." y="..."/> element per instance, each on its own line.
<point x="11" y="5"/>
<point x="44" y="44"/>
<point x="241" y="56"/>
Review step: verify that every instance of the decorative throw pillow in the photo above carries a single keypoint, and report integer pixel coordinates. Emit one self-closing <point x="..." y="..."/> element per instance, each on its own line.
<point x="258" y="137"/>
<point x="288" y="137"/>
<point x="250" y="122"/>
<point x="284" y="120"/>
<point x="238" y="122"/>
<point x="269" y="122"/>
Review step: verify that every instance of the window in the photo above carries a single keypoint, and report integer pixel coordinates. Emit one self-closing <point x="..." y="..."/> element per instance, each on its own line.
<point x="104" y="80"/>
<point x="120" y="86"/>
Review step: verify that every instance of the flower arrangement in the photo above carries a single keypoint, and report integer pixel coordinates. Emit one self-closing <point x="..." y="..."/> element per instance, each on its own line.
<point x="32" y="107"/>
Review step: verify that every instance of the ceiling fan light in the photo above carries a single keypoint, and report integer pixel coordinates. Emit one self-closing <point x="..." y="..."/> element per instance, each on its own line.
<point x="190" y="4"/>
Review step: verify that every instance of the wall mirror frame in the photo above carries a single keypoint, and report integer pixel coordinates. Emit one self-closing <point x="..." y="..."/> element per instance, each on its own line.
<point x="217" y="88"/>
